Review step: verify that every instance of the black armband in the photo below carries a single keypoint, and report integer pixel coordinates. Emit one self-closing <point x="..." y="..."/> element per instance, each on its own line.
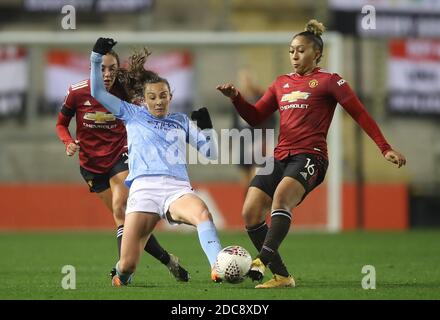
<point x="67" y="111"/>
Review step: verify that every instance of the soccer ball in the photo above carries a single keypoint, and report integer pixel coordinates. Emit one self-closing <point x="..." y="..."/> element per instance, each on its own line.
<point x="233" y="263"/>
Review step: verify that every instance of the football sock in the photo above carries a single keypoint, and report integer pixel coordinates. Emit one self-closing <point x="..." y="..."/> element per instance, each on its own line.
<point x="279" y="227"/>
<point x="119" y="232"/>
<point x="155" y="249"/>
<point x="209" y="240"/>
<point x="257" y="234"/>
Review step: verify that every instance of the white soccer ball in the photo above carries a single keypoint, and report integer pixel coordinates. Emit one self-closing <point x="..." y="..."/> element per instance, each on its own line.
<point x="233" y="263"/>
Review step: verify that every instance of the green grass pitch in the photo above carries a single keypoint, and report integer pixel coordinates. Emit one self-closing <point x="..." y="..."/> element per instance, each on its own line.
<point x="326" y="266"/>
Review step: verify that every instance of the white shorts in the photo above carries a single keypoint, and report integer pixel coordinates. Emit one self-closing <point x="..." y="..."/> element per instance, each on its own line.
<point x="155" y="194"/>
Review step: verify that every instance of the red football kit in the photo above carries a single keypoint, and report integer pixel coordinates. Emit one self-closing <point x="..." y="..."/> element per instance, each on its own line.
<point x="102" y="137"/>
<point x="306" y="105"/>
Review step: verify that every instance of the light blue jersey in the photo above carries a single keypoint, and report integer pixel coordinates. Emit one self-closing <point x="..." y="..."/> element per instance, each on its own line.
<point x="156" y="146"/>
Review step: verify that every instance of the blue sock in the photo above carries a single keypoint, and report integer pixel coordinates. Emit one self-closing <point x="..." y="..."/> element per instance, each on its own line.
<point x="125" y="277"/>
<point x="209" y="240"/>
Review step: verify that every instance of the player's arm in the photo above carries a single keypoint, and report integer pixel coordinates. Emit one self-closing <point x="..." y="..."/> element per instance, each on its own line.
<point x="62" y="129"/>
<point x="254" y="115"/>
<point x="351" y="103"/>
<point x="97" y="89"/>
<point x="202" y="136"/>
<point x="62" y="125"/>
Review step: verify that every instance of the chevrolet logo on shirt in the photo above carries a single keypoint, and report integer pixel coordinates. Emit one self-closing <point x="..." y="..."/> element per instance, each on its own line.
<point x="295" y="96"/>
<point x="99" y="117"/>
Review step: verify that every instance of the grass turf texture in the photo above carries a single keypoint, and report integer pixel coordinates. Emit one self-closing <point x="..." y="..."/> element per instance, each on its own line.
<point x="326" y="266"/>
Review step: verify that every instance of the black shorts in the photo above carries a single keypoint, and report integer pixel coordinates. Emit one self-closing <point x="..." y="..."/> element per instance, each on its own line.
<point x="308" y="169"/>
<point x="99" y="182"/>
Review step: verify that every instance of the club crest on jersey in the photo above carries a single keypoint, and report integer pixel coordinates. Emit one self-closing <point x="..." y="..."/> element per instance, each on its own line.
<point x="313" y="83"/>
<point x="99" y="117"/>
<point x="341" y="82"/>
<point x="295" y="96"/>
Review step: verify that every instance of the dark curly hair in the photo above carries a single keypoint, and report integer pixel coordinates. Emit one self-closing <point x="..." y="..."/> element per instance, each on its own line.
<point x="134" y="78"/>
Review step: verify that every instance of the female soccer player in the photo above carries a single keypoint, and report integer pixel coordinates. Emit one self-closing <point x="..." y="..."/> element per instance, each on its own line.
<point x="101" y="140"/>
<point x="306" y="100"/>
<point x="158" y="178"/>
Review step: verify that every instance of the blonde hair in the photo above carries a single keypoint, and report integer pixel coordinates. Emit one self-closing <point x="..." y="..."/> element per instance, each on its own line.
<point x="315" y="27"/>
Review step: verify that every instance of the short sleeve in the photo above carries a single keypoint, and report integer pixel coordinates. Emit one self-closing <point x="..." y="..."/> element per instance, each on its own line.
<point x="127" y="111"/>
<point x="69" y="100"/>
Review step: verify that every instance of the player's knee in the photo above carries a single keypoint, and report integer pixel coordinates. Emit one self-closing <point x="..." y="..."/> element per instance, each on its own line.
<point x="252" y="213"/>
<point x="286" y="204"/>
<point x="119" y="211"/>
<point x="288" y="199"/>
<point x="281" y="205"/>
<point x="251" y="217"/>
<point x="202" y="216"/>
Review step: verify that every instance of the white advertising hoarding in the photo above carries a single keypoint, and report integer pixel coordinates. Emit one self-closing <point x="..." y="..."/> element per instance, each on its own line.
<point x="13" y="80"/>
<point x="414" y="76"/>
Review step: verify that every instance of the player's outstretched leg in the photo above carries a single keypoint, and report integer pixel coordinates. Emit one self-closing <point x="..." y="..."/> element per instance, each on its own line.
<point x="190" y="209"/>
<point x="289" y="192"/>
<point x="210" y="244"/>
<point x="280" y="222"/>
<point x="256" y="204"/>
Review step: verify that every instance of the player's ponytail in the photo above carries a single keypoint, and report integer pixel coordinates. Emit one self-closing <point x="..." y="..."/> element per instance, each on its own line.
<point x="313" y="31"/>
<point x="135" y="76"/>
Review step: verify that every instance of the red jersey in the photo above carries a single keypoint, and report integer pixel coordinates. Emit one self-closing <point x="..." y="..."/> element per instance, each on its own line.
<point x="102" y="137"/>
<point x="306" y="105"/>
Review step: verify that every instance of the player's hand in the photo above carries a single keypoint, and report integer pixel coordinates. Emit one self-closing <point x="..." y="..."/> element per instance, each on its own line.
<point x="104" y="45"/>
<point x="202" y="117"/>
<point x="228" y="90"/>
<point x="72" y="148"/>
<point x="395" y="157"/>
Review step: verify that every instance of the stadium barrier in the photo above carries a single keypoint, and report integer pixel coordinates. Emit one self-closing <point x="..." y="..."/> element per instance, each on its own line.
<point x="73" y="207"/>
